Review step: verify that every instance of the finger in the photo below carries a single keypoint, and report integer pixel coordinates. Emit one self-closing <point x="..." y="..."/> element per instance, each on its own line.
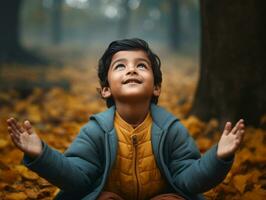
<point x="28" y="126"/>
<point x="241" y="134"/>
<point x="14" y="124"/>
<point x="15" y="141"/>
<point x="13" y="134"/>
<point x="227" y="128"/>
<point x="13" y="129"/>
<point x="242" y="126"/>
<point x="9" y="120"/>
<point x="241" y="120"/>
<point x="18" y="127"/>
<point x="9" y="129"/>
<point x="237" y="144"/>
<point x="236" y="127"/>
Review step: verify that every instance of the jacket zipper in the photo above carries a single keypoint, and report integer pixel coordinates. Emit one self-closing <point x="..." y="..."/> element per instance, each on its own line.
<point x="134" y="141"/>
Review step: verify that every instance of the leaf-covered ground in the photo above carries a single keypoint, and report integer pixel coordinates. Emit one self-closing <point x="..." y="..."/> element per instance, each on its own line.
<point x="58" y="114"/>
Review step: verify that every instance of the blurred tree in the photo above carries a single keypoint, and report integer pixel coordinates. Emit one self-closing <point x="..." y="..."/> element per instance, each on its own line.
<point x="233" y="66"/>
<point x="10" y="48"/>
<point x="57" y="21"/>
<point x="124" y="21"/>
<point x="9" y="25"/>
<point x="174" y="25"/>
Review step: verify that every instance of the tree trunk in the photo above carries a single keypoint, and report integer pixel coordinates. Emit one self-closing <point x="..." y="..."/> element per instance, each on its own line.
<point x="9" y="26"/>
<point x="10" y="48"/>
<point x="233" y="64"/>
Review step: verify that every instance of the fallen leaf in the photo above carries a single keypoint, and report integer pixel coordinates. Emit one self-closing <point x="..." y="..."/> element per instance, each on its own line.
<point x="3" y="143"/>
<point x="240" y="181"/>
<point x="26" y="173"/>
<point x="16" y="196"/>
<point x="203" y="144"/>
<point x="257" y="194"/>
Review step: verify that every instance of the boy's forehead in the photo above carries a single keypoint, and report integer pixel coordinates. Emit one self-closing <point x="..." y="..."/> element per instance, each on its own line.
<point x="132" y="54"/>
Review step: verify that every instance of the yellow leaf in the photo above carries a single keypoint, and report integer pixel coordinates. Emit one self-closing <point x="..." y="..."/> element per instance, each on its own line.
<point x="240" y="182"/>
<point x="194" y="125"/>
<point x="16" y="196"/>
<point x="203" y="143"/>
<point x="254" y="176"/>
<point x="25" y="173"/>
<point x="34" y="113"/>
<point x="3" y="143"/>
<point x="257" y="194"/>
<point x="9" y="176"/>
<point x="31" y="193"/>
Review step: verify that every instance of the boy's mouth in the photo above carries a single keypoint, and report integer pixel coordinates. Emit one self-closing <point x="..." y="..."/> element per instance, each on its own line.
<point x="132" y="80"/>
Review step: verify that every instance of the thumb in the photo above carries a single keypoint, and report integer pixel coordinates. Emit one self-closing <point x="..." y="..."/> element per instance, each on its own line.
<point x="227" y="128"/>
<point x="28" y="127"/>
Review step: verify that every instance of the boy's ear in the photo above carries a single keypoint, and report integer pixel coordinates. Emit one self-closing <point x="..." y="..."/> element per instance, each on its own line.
<point x="106" y="92"/>
<point x="157" y="90"/>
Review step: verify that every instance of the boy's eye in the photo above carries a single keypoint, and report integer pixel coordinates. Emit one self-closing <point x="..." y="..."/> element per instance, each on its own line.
<point x="119" y="66"/>
<point x="142" y="66"/>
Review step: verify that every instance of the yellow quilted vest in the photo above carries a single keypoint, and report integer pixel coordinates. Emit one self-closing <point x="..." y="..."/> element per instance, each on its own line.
<point x="135" y="175"/>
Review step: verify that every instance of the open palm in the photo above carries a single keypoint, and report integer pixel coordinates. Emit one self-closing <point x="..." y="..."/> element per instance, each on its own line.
<point x="24" y="137"/>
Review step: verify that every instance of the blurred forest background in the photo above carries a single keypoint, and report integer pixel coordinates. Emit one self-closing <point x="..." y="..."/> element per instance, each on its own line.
<point x="213" y="63"/>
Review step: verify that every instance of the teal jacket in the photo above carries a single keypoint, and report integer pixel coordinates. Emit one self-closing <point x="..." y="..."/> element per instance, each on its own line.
<point x="81" y="172"/>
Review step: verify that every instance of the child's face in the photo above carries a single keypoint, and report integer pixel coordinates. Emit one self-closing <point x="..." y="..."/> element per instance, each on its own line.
<point x="130" y="78"/>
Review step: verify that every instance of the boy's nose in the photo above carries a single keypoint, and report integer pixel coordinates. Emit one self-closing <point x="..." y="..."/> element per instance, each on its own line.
<point x="131" y="69"/>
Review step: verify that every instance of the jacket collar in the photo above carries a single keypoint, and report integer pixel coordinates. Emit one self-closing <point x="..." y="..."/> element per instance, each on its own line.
<point x="105" y="119"/>
<point x="160" y="117"/>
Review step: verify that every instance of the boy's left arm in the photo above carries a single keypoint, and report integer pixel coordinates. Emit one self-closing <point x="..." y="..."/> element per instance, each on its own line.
<point x="193" y="174"/>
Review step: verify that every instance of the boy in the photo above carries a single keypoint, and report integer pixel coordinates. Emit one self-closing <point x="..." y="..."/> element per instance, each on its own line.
<point x="135" y="149"/>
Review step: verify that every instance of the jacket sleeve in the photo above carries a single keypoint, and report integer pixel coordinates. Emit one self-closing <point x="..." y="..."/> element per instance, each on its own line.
<point x="78" y="167"/>
<point x="190" y="172"/>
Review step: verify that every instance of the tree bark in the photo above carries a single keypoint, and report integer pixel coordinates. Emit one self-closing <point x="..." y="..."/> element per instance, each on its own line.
<point x="9" y="25"/>
<point x="11" y="49"/>
<point x="233" y="65"/>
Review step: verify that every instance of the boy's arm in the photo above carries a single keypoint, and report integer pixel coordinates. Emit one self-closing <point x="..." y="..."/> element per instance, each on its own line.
<point x="74" y="171"/>
<point x="191" y="173"/>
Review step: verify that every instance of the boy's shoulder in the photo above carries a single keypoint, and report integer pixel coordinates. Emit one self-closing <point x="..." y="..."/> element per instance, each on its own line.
<point x="161" y="117"/>
<point x="98" y="124"/>
<point x="104" y="119"/>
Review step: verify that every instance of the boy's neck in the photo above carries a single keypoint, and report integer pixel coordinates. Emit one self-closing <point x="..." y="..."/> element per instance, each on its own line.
<point x="134" y="114"/>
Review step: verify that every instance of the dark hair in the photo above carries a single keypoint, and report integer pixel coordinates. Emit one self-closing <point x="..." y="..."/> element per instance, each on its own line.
<point x="127" y="45"/>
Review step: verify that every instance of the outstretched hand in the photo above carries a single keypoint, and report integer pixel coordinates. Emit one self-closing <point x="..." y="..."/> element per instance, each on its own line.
<point x="24" y="137"/>
<point x="230" y="139"/>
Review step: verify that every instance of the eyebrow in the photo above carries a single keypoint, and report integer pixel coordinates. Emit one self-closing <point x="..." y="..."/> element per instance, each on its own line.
<point x="137" y="59"/>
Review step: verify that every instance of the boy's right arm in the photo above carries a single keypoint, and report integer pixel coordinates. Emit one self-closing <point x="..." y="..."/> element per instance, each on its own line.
<point x="75" y="172"/>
